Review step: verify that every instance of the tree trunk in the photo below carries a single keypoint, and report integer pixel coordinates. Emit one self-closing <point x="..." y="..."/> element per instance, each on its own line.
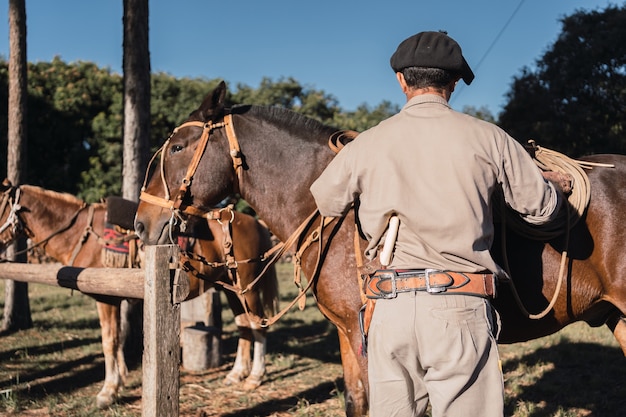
<point x="16" y="304"/>
<point x="136" y="97"/>
<point x="136" y="143"/>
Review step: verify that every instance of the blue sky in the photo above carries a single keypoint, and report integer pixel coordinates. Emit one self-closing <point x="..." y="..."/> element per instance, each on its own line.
<point x="341" y="46"/>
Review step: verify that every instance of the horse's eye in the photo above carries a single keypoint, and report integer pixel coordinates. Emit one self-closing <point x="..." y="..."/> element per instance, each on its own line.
<point x="176" y="148"/>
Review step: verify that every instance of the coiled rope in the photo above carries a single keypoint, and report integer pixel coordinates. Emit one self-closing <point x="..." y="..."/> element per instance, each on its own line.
<point x="578" y="201"/>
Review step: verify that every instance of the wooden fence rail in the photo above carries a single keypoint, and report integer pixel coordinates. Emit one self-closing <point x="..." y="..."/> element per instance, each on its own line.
<point x="125" y="283"/>
<point x="162" y="288"/>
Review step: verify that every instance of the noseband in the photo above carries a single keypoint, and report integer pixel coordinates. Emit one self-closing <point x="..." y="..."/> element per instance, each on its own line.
<point x="175" y="203"/>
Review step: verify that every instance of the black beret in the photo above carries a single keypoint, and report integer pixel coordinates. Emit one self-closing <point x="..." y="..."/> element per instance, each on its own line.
<point x="432" y="50"/>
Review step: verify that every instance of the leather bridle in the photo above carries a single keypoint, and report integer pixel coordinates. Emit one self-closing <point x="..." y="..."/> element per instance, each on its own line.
<point x="177" y="207"/>
<point x="175" y="203"/>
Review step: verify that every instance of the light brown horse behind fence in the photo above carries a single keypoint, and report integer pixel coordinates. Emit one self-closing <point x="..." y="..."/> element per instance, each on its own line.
<point x="71" y="231"/>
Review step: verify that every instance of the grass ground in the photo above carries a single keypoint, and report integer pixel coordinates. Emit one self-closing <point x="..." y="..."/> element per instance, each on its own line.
<point x="56" y="368"/>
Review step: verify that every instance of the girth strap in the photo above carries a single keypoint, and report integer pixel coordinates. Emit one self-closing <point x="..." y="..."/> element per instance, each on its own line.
<point x="84" y="236"/>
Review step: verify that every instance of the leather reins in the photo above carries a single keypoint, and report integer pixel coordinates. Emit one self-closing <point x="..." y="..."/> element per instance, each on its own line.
<point x="178" y="208"/>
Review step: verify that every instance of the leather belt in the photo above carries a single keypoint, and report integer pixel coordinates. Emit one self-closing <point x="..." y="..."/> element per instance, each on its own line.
<point x="387" y="283"/>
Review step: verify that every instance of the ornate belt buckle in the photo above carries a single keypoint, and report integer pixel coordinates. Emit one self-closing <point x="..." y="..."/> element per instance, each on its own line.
<point x="430" y="289"/>
<point x="384" y="275"/>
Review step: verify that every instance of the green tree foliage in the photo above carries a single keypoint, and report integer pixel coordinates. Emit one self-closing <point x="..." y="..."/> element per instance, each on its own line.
<point x="102" y="175"/>
<point x="482" y="113"/>
<point x="75" y="119"/>
<point x="288" y="93"/>
<point x="575" y="99"/>
<point x="172" y="102"/>
<point x="365" y="117"/>
<point x="65" y="100"/>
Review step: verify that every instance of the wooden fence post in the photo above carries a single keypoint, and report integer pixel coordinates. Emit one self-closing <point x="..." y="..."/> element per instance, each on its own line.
<point x="161" y="357"/>
<point x="164" y="288"/>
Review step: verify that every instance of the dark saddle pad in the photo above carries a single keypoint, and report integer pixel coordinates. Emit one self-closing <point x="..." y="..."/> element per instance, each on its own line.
<point x="121" y="212"/>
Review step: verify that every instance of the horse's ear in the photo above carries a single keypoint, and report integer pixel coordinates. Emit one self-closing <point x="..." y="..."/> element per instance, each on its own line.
<point x="213" y="104"/>
<point x="6" y="184"/>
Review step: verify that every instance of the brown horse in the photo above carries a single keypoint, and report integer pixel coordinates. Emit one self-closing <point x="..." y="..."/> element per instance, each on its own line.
<point x="271" y="156"/>
<point x="57" y="222"/>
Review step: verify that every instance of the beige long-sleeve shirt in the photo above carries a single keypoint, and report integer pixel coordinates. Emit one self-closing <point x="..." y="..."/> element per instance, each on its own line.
<point x="436" y="169"/>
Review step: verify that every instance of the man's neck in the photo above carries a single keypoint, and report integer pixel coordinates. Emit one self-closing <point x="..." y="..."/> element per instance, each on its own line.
<point x="441" y="92"/>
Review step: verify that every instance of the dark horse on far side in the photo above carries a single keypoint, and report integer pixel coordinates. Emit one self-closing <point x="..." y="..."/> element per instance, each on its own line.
<point x="271" y="156"/>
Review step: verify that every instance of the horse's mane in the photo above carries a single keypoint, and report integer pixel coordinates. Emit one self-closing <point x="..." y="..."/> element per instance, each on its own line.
<point x="44" y="194"/>
<point x="297" y="124"/>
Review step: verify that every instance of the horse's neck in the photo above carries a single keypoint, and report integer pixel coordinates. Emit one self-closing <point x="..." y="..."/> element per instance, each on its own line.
<point x="51" y="221"/>
<point x="277" y="185"/>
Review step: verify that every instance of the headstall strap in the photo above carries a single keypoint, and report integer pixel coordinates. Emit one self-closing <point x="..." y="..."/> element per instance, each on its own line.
<point x="235" y="150"/>
<point x="176" y="202"/>
<point x="154" y="200"/>
<point x="197" y="156"/>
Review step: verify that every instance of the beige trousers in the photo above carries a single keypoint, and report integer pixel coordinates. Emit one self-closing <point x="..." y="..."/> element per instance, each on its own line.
<point x="440" y="348"/>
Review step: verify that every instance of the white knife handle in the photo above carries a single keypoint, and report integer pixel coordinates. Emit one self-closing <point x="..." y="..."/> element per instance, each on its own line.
<point x="390" y="241"/>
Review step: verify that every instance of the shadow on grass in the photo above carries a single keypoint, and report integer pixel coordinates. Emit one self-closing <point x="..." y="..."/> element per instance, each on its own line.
<point x="61" y="378"/>
<point x="315" y="395"/>
<point x="41" y="376"/>
<point x="40" y="350"/>
<point x="78" y="324"/>
<point x="317" y="340"/>
<point x="580" y="376"/>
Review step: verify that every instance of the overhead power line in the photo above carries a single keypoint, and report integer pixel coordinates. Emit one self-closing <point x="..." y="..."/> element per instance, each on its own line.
<point x="461" y="87"/>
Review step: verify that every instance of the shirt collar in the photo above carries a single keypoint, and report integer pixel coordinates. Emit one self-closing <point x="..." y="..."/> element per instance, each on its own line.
<point x="426" y="98"/>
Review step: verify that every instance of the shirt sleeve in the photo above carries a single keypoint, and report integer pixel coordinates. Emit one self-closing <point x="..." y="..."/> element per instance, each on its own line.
<point x="336" y="189"/>
<point x="525" y="189"/>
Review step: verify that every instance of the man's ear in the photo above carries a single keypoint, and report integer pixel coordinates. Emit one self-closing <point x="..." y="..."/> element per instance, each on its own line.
<point x="402" y="82"/>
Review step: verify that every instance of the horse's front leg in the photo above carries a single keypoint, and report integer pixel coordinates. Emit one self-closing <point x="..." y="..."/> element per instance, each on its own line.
<point x="243" y="363"/>
<point x="259" y="334"/>
<point x="251" y="335"/>
<point x="114" y="365"/>
<point x="255" y="379"/>
<point x="354" y="374"/>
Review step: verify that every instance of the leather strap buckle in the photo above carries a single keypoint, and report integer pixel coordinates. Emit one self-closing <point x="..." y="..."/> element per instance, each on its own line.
<point x="390" y="275"/>
<point x="434" y="289"/>
<point x="383" y="276"/>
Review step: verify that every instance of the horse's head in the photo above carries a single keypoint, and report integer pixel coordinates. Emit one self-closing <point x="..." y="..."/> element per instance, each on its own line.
<point x="195" y="172"/>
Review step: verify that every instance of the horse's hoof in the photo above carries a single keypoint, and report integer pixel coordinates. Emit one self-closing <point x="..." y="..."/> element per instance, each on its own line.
<point x="233" y="378"/>
<point x="105" y="400"/>
<point x="252" y="382"/>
